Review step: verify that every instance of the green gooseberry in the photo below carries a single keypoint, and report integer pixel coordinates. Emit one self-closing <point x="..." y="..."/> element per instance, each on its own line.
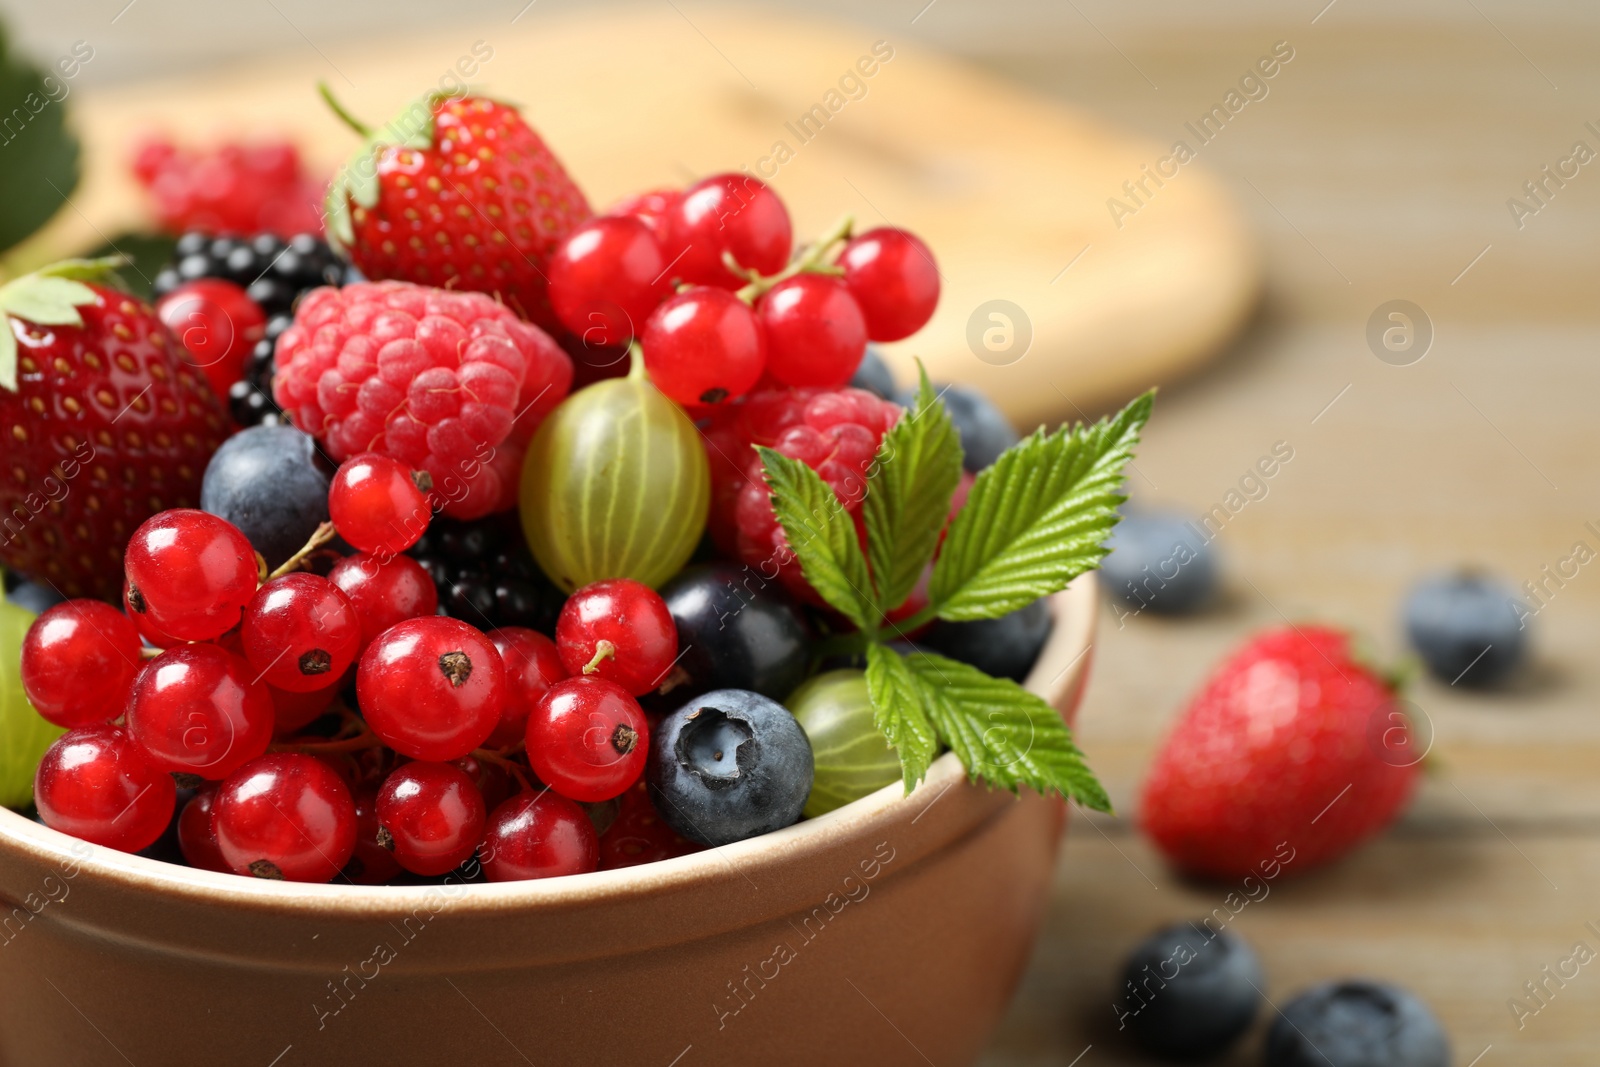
<point x="851" y="757"/>
<point x="615" y="485"/>
<point x="24" y="735"/>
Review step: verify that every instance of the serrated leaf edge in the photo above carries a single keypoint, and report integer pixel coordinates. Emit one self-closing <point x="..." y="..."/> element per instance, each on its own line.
<point x="922" y="445"/>
<point x="897" y="711"/>
<point x="825" y="573"/>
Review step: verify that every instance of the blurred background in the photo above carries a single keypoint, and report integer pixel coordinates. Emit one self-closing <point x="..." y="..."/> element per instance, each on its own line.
<point x="1386" y="160"/>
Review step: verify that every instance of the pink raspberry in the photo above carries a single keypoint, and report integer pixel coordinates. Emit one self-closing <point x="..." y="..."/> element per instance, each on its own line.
<point x="835" y="432"/>
<point x="230" y="187"/>
<point x="452" y="383"/>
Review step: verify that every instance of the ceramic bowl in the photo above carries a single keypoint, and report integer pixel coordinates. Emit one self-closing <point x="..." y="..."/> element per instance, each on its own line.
<point x="891" y="931"/>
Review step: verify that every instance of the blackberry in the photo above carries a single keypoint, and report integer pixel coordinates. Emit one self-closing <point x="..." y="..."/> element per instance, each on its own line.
<point x="485" y="574"/>
<point x="273" y="273"/>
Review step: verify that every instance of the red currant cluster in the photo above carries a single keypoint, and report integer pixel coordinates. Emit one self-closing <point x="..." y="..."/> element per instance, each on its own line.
<point x="230" y="188"/>
<point x="507" y="745"/>
<point x="703" y="279"/>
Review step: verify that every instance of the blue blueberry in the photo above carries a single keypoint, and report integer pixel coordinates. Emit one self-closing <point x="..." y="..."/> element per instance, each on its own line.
<point x="874" y="375"/>
<point x="1356" y="1024"/>
<point x="1001" y="648"/>
<point x="1467" y="627"/>
<point x="729" y="765"/>
<point x="1160" y="562"/>
<point x="1189" y="991"/>
<point x="985" y="431"/>
<point x="31" y="596"/>
<point x="737" y="631"/>
<point x="266" y="481"/>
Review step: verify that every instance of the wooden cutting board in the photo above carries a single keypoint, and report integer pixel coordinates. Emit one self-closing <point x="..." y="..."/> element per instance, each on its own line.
<point x="1047" y="303"/>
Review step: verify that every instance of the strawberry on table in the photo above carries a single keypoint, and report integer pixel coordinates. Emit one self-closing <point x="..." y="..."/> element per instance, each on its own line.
<point x="457" y="192"/>
<point x="104" y="425"/>
<point x="1292" y="748"/>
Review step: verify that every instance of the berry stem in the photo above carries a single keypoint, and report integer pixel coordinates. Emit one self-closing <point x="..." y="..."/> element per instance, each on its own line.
<point x="338" y="109"/>
<point x="603" y="650"/>
<point x="813" y="261"/>
<point x="319" y="537"/>
<point x="636" y="368"/>
<point x="359" y="743"/>
<point x="511" y="767"/>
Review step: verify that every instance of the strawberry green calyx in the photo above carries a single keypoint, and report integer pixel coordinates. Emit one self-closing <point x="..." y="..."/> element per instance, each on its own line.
<point x="48" y="297"/>
<point x="357" y="180"/>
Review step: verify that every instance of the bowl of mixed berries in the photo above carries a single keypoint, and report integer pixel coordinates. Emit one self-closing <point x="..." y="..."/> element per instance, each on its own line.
<point x="500" y="628"/>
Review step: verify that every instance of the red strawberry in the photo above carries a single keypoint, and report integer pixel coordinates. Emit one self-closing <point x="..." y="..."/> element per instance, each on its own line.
<point x="104" y="425"/>
<point x="1292" y="744"/>
<point x="457" y="192"/>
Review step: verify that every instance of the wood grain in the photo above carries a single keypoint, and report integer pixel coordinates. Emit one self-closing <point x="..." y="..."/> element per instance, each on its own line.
<point x="1378" y="168"/>
<point x="1007" y="187"/>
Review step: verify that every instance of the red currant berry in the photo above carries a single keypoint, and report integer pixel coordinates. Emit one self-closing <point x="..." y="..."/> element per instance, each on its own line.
<point x="198" y="709"/>
<point x="378" y="504"/>
<point x="94" y="783"/>
<point x="727" y="213"/>
<point x="538" y="835"/>
<point x="300" y="632"/>
<point x="893" y="277"/>
<point x="649" y="208"/>
<point x="285" y="816"/>
<point x="432" y="688"/>
<point x="532" y="665"/>
<point x="295" y="711"/>
<point x="189" y="573"/>
<point x="702" y="346"/>
<point x="385" y="592"/>
<point x="587" y="739"/>
<point x="197" y="838"/>
<point x="814" y="331"/>
<point x="370" y="863"/>
<point x="78" y="663"/>
<point x="619" y="630"/>
<point x="606" y="278"/>
<point x="639" y="835"/>
<point x="432" y="817"/>
<point x="217" y="324"/>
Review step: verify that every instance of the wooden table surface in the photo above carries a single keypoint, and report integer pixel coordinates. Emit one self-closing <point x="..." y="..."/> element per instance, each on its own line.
<point x="1379" y="167"/>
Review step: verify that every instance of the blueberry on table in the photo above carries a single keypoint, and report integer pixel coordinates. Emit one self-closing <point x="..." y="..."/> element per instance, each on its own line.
<point x="729" y="765"/>
<point x="1159" y="561"/>
<point x="266" y="481"/>
<point x="1356" y="1023"/>
<point x="1001" y="648"/>
<point x="1467" y="627"/>
<point x="874" y="375"/>
<point x="1189" y="990"/>
<point x="735" y="631"/>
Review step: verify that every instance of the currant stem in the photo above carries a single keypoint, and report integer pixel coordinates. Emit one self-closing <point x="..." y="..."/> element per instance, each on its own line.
<point x="338" y="109"/>
<point x="359" y="743"/>
<point x="603" y="650"/>
<point x="319" y="537"/>
<point x="813" y="261"/>
<point x="509" y="766"/>
<point x="636" y="368"/>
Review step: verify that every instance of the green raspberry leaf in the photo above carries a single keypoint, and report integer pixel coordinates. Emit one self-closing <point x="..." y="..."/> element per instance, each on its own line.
<point x="1037" y="518"/>
<point x="898" y="701"/>
<point x="1002" y="733"/>
<point x="822" y="536"/>
<point x="914" y="475"/>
